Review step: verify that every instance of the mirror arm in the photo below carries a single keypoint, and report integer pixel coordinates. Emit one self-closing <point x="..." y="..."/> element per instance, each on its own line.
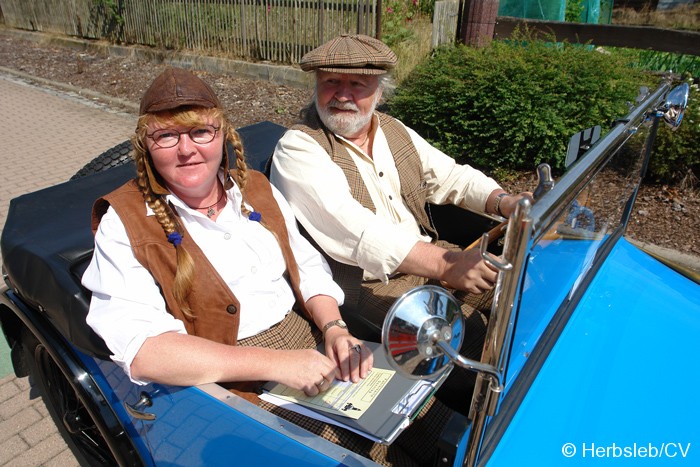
<point x="491" y="373"/>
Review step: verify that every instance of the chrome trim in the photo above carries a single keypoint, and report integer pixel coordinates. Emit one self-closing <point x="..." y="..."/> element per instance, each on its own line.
<point x="500" y="326"/>
<point x="145" y="400"/>
<point x="527" y="224"/>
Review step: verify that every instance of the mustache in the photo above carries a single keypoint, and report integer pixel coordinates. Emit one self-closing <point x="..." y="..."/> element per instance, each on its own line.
<point x="336" y="104"/>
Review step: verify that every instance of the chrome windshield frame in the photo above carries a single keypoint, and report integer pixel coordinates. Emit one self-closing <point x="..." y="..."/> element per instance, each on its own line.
<point x="527" y="225"/>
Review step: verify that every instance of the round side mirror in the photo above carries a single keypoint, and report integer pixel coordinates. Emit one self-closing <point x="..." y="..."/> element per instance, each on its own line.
<point x="416" y="329"/>
<point x="675" y="105"/>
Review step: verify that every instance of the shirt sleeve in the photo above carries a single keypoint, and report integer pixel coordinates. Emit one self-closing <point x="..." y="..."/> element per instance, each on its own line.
<point x="320" y="197"/>
<point x="449" y="182"/>
<point x="314" y="273"/>
<point x="126" y="306"/>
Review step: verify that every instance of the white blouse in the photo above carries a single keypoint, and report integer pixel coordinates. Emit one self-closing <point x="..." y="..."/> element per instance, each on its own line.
<point x="127" y="306"/>
<point x="320" y="196"/>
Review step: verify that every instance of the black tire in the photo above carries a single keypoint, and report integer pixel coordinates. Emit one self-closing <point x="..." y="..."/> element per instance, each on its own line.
<point x="113" y="157"/>
<point x="66" y="406"/>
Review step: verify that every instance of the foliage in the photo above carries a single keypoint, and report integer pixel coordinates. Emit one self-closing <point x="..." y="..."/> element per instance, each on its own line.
<point x="427" y="7"/>
<point x="676" y="156"/>
<point x="514" y="104"/>
<point x="396" y="20"/>
<point x="669" y="62"/>
<point x="407" y="29"/>
<point x="113" y="21"/>
<point x="574" y="10"/>
<point x="414" y="49"/>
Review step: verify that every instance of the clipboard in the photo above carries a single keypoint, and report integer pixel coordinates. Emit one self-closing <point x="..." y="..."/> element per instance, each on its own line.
<point x="396" y="405"/>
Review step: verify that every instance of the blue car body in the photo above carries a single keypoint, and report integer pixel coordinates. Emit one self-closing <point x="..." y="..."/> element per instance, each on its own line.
<point x="602" y="393"/>
<point x="595" y="342"/>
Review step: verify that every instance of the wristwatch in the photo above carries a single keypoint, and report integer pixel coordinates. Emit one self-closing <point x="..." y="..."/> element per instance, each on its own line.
<point x="497" y="207"/>
<point x="336" y="322"/>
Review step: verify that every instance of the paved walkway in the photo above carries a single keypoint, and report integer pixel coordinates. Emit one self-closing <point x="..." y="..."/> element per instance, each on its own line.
<point x="47" y="137"/>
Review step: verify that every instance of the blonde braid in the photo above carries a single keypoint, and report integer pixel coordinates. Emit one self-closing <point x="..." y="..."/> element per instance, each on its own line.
<point x="242" y="173"/>
<point x="241" y="166"/>
<point x="184" y="274"/>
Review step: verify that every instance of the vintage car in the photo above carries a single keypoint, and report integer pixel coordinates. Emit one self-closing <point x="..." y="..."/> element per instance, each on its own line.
<point x="588" y="342"/>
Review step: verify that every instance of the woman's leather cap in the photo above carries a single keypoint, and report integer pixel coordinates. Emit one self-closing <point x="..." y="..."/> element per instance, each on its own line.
<point x="174" y="88"/>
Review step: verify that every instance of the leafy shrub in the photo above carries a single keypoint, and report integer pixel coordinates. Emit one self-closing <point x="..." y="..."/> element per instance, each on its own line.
<point x="427" y="7"/>
<point x="574" y="10"/>
<point x="396" y="18"/>
<point x="514" y="104"/>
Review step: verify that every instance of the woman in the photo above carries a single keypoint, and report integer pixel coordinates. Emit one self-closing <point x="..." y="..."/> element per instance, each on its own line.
<point x="196" y="267"/>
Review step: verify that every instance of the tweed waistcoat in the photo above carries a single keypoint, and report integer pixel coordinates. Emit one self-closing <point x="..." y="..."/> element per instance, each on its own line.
<point x="413" y="186"/>
<point x="216" y="309"/>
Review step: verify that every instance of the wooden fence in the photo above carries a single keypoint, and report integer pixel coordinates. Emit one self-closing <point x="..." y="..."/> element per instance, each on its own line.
<point x="635" y="37"/>
<point x="446" y="27"/>
<point x="280" y="31"/>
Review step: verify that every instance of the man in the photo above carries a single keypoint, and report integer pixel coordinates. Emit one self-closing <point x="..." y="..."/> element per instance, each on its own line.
<point x="358" y="181"/>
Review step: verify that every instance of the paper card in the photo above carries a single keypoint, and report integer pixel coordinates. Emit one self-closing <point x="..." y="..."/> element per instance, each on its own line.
<point x="343" y="398"/>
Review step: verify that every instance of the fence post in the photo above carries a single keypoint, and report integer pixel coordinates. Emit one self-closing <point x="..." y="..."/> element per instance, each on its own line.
<point x="445" y="22"/>
<point x="478" y="21"/>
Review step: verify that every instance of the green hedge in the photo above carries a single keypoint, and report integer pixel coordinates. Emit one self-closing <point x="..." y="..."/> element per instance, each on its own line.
<point x="513" y="105"/>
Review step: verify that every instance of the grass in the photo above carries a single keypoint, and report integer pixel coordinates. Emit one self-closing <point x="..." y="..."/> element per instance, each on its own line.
<point x="415" y="48"/>
<point x="685" y="17"/>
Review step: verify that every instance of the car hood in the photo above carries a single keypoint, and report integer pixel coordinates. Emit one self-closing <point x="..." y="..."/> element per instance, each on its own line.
<point x="621" y="380"/>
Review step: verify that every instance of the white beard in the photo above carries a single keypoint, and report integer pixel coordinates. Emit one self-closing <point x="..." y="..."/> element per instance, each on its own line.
<point x="345" y="124"/>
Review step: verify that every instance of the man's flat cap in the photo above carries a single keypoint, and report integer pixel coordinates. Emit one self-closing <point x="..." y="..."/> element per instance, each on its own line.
<point x="354" y="54"/>
<point x="174" y="88"/>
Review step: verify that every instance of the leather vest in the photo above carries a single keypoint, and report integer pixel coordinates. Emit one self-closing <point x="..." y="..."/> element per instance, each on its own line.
<point x="413" y="185"/>
<point x="215" y="307"/>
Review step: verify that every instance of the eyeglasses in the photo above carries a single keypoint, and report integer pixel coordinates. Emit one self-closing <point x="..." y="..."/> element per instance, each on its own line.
<point x="168" y="138"/>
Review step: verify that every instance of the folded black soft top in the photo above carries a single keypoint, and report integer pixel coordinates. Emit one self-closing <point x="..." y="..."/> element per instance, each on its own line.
<point x="47" y="241"/>
<point x="46" y="245"/>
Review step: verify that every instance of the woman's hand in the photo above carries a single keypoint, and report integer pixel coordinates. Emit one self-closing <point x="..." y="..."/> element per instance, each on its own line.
<point x="306" y="370"/>
<point x="352" y="357"/>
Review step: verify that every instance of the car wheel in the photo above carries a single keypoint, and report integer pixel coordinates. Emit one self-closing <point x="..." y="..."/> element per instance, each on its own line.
<point x="113" y="157"/>
<point x="66" y="407"/>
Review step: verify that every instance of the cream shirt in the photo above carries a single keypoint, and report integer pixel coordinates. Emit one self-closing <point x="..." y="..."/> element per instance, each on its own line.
<point x="127" y="307"/>
<point x="320" y="197"/>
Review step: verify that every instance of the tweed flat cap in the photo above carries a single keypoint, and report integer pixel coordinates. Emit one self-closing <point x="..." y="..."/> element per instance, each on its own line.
<point x="354" y="54"/>
<point x="174" y="88"/>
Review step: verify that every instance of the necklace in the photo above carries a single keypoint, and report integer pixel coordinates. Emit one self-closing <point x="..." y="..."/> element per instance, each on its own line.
<point x="364" y="141"/>
<point x="210" y="209"/>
